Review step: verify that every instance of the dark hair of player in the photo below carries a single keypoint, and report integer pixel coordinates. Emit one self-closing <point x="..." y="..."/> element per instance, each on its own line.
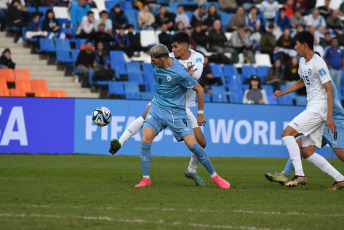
<point x="180" y="37"/>
<point x="305" y="37"/>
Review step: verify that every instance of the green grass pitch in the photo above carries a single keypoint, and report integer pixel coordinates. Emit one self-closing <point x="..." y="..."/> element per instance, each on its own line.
<point x="97" y="192"/>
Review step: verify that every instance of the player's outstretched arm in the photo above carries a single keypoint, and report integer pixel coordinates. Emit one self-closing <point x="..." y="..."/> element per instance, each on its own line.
<point x="296" y="86"/>
<point x="330" y="101"/>
<point x="200" y="96"/>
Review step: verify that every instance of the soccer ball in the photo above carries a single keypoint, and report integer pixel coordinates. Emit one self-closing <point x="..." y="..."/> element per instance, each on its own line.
<point x="101" y="116"/>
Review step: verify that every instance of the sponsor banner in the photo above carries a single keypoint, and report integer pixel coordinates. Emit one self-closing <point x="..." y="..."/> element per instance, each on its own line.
<point x="36" y="125"/>
<point x="231" y="130"/>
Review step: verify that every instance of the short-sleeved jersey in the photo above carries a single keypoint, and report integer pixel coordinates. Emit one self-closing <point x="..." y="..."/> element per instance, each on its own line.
<point x="338" y="111"/>
<point x="171" y="84"/>
<point x="197" y="60"/>
<point x="314" y="74"/>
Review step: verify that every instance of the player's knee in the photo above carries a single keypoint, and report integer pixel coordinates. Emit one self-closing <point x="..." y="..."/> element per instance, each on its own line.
<point x="306" y="153"/>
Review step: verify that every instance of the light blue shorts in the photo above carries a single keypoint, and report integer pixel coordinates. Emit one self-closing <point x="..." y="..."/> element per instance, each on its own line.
<point x="332" y="139"/>
<point x="175" y="119"/>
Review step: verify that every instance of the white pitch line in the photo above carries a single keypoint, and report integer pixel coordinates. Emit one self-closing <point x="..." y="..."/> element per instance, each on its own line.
<point x="194" y="210"/>
<point x="157" y="222"/>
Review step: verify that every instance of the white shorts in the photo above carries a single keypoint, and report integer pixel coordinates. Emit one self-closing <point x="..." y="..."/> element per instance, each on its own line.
<point x="311" y="125"/>
<point x="192" y="118"/>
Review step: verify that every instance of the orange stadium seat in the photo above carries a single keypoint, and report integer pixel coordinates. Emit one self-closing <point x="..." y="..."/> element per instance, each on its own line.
<point x="58" y="93"/>
<point x="42" y="93"/>
<point x="4" y="92"/>
<point x="22" y="74"/>
<point x="17" y="93"/>
<point x="23" y="84"/>
<point x="3" y="83"/>
<point x="39" y="84"/>
<point x="7" y="74"/>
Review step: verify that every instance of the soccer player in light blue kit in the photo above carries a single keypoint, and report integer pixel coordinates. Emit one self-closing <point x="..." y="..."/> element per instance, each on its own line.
<point x="168" y="110"/>
<point x="335" y="141"/>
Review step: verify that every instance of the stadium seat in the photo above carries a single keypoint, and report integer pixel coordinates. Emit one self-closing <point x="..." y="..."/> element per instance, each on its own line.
<point x="135" y="77"/>
<point x="39" y="84"/>
<point x="100" y="4"/>
<point x="110" y="4"/>
<point x="43" y="10"/>
<point x="339" y="92"/>
<point x="148" y="77"/>
<point x="234" y="82"/>
<point x="150" y="87"/>
<point x="63" y="56"/>
<point x="262" y="72"/>
<point x="147" y="95"/>
<point x="119" y="68"/>
<point x="301" y="100"/>
<point x="147" y="68"/>
<point x="58" y="93"/>
<point x="271" y="101"/>
<point x="4" y="92"/>
<point x="22" y="74"/>
<point x="48" y="45"/>
<point x="116" y="88"/>
<point x="218" y="89"/>
<point x="31" y="9"/>
<point x="225" y="18"/>
<point x="219" y="97"/>
<point x="3" y="83"/>
<point x="132" y="18"/>
<point x="263" y="59"/>
<point x="7" y="74"/>
<point x="131" y="87"/>
<point x="17" y="93"/>
<point x="148" y="38"/>
<point x="61" y="12"/>
<point x="133" y="67"/>
<point x="127" y="5"/>
<point x="62" y="44"/>
<point x="23" y="84"/>
<point x="284" y="87"/>
<point x="236" y="97"/>
<point x="229" y="70"/>
<point x="285" y="100"/>
<point x="268" y="89"/>
<point x="217" y="72"/>
<point x="64" y="22"/>
<point x="206" y="97"/>
<point x="117" y="55"/>
<point x="42" y="93"/>
<point x="248" y="71"/>
<point x="133" y="96"/>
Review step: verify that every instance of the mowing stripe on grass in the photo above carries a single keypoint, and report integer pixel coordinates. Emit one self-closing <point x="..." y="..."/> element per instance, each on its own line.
<point x="158" y="222"/>
<point x="192" y="210"/>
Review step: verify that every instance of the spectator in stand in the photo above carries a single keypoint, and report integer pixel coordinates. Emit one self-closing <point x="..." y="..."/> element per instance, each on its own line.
<point x="283" y="21"/>
<point x="253" y="20"/>
<point x="123" y="42"/>
<point x="334" y="24"/>
<point x="182" y="17"/>
<point x="3" y="11"/>
<point x="291" y="74"/>
<point x="326" y="41"/>
<point x="104" y="17"/>
<point x="165" y="38"/>
<point x="6" y="60"/>
<point x="207" y="78"/>
<point x="334" y="57"/>
<point x="317" y="22"/>
<point x="238" y="20"/>
<point x="213" y="15"/>
<point x="51" y="25"/>
<point x="325" y="10"/>
<point x="269" y="9"/>
<point x="118" y="18"/>
<point x="217" y="39"/>
<point x="200" y="17"/>
<point x="297" y="19"/>
<point x="78" y="11"/>
<point x="285" y="47"/>
<point x="200" y="37"/>
<point x="302" y="6"/>
<point x="134" y="39"/>
<point x="255" y="94"/>
<point x="241" y="44"/>
<point x="275" y="75"/>
<point x="146" y="18"/>
<point x="102" y="36"/>
<point x="289" y="8"/>
<point x="87" y="27"/>
<point x="268" y="43"/>
<point x="92" y="4"/>
<point x="188" y="31"/>
<point x="16" y="18"/>
<point x="102" y="70"/>
<point x="164" y="17"/>
<point x="86" y="62"/>
<point x="180" y="27"/>
<point x="309" y="5"/>
<point x="247" y="4"/>
<point x="341" y="10"/>
<point x="318" y="48"/>
<point x="228" y="6"/>
<point x="33" y="28"/>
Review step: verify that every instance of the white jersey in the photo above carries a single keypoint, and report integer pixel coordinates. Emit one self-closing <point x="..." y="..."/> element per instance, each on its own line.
<point x="197" y="60"/>
<point x="314" y="74"/>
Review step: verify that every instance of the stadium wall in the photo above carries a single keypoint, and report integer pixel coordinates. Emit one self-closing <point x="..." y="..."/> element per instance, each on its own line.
<point x="48" y="125"/>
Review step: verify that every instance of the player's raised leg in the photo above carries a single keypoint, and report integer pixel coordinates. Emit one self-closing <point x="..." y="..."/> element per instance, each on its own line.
<point x="132" y="129"/>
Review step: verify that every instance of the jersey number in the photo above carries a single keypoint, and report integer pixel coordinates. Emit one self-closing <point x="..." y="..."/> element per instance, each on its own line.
<point x="185" y="122"/>
<point x="160" y="79"/>
<point x="307" y="80"/>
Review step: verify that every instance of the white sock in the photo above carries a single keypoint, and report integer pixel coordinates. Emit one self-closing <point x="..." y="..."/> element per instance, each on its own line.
<point x="131" y="130"/>
<point x="214" y="174"/>
<point x="294" y="153"/>
<point x="321" y="163"/>
<point x="146" y="177"/>
<point x="193" y="163"/>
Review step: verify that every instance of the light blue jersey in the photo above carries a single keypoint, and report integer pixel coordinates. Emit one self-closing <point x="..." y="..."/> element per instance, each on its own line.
<point x="171" y="85"/>
<point x="338" y="111"/>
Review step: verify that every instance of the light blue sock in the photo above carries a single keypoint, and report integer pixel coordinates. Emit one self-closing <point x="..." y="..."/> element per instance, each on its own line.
<point x="202" y="157"/>
<point x="145" y="154"/>
<point x="289" y="167"/>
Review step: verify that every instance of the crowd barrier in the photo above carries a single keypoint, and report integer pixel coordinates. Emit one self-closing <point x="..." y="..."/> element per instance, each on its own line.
<point x="63" y="126"/>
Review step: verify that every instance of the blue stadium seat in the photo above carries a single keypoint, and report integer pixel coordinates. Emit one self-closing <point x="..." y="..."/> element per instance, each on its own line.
<point x="117" y="55"/>
<point x="62" y="44"/>
<point x="131" y="87"/>
<point x="219" y="97"/>
<point x="119" y="68"/>
<point x="234" y="82"/>
<point x="43" y="9"/>
<point x="217" y="72"/>
<point x="268" y="89"/>
<point x="148" y="77"/>
<point x="24" y="30"/>
<point x="262" y="72"/>
<point x="133" y="19"/>
<point x="189" y="14"/>
<point x="206" y="97"/>
<point x="64" y="22"/>
<point x="133" y="96"/>
<point x="110" y="4"/>
<point x="127" y="5"/>
<point x="135" y="77"/>
<point x="31" y="9"/>
<point x="133" y="67"/>
<point x="147" y="68"/>
<point x="218" y="89"/>
<point x="116" y="88"/>
<point x="285" y="100"/>
<point x="301" y="100"/>
<point x="236" y="97"/>
<point x="229" y="70"/>
<point x="48" y="45"/>
<point x="147" y="95"/>
<point x="284" y="87"/>
<point x="225" y="18"/>
<point x="150" y="87"/>
<point x="75" y="54"/>
<point x="248" y="71"/>
<point x="90" y="76"/>
<point x="64" y="56"/>
<point x="342" y="78"/>
<point x="340" y="94"/>
<point x="270" y="100"/>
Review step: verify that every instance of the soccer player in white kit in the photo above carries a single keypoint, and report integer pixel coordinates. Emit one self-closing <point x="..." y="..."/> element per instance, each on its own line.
<point x="314" y="75"/>
<point x="193" y="62"/>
